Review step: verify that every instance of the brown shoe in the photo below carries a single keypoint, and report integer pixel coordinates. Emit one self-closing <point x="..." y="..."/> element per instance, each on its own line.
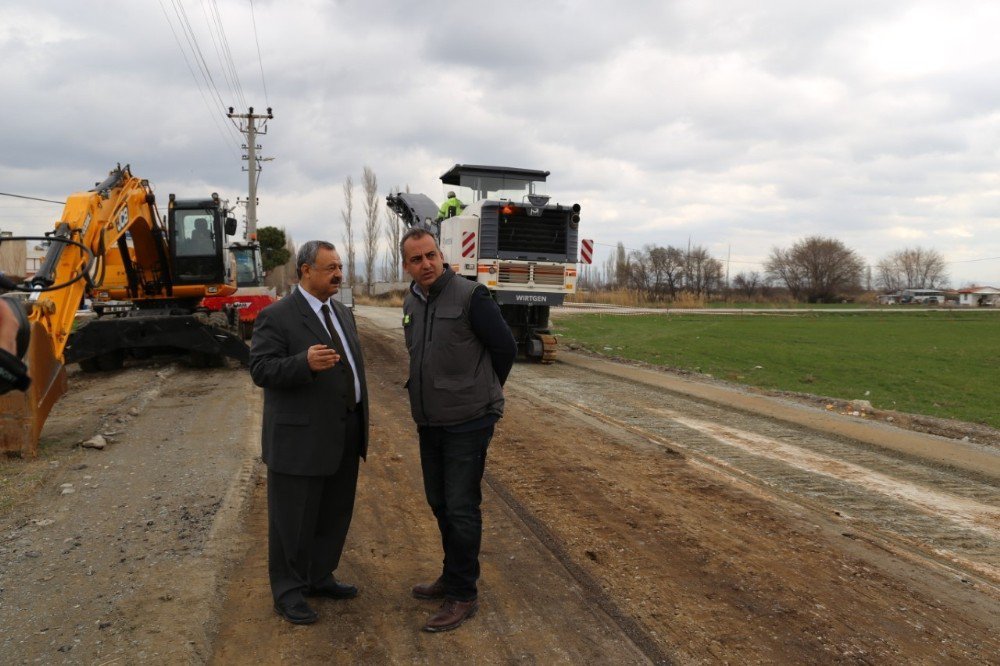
<point x="451" y="615"/>
<point x="434" y="590"/>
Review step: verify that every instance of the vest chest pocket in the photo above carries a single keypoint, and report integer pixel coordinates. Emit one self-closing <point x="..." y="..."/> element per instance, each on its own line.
<point x="446" y="318"/>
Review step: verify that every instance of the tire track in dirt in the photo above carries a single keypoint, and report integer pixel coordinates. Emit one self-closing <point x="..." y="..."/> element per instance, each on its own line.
<point x="942" y="514"/>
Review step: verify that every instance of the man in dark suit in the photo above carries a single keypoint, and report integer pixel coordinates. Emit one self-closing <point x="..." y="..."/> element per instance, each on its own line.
<point x="306" y="355"/>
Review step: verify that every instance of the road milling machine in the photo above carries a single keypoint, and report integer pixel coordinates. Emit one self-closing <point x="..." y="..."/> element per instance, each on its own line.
<point x="511" y="238"/>
<point x="146" y="280"/>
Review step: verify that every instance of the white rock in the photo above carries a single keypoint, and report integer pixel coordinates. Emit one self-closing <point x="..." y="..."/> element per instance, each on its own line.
<point x="67" y="491"/>
<point x="96" y="442"/>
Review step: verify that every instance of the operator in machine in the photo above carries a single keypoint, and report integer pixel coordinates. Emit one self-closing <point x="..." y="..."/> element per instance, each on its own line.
<point x="451" y="207"/>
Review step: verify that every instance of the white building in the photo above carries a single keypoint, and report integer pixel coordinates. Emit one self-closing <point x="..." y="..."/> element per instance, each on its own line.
<point x="20" y="259"/>
<point x="979" y="296"/>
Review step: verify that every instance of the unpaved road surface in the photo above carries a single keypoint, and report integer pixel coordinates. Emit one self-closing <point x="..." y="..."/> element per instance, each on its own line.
<point x="116" y="555"/>
<point x="629" y="519"/>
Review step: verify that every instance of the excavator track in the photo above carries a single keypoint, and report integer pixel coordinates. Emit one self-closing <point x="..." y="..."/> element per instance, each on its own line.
<point x="549" y="347"/>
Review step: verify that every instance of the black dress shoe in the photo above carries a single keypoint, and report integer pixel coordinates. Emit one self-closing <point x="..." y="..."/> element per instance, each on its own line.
<point x="296" y="612"/>
<point x="333" y="590"/>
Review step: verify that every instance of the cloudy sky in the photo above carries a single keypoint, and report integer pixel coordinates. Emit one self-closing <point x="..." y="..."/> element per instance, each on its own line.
<point x="735" y="125"/>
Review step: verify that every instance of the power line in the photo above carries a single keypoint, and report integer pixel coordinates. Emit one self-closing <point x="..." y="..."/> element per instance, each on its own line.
<point x="253" y="20"/>
<point x="229" y="63"/>
<point x="231" y="81"/>
<point x="199" y="57"/>
<point x="21" y="196"/>
<point x="230" y="139"/>
<point x="192" y="41"/>
<point x="969" y="261"/>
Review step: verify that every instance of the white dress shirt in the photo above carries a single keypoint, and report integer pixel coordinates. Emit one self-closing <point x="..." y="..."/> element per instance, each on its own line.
<point x="316" y="304"/>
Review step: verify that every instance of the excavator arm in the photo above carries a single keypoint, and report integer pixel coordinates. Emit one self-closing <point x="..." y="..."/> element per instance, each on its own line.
<point x="97" y="220"/>
<point x="117" y="219"/>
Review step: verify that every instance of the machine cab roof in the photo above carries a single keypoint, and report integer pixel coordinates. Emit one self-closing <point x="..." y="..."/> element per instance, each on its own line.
<point x="496" y="182"/>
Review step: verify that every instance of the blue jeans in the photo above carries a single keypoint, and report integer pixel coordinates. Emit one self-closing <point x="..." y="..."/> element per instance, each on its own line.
<point x="453" y="464"/>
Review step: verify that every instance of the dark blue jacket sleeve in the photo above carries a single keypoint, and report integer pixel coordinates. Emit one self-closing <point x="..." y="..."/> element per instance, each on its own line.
<point x="489" y="326"/>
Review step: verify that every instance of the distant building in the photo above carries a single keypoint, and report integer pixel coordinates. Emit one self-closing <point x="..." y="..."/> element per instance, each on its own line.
<point x="12" y="257"/>
<point x="922" y="296"/>
<point x="20" y="260"/>
<point x="979" y="296"/>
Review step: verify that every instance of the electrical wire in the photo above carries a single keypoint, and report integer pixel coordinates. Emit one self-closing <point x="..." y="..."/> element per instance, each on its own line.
<point x="196" y="51"/>
<point x="253" y="21"/>
<point x="212" y="20"/>
<point x="223" y="51"/>
<point x="969" y="261"/>
<point x="228" y="139"/>
<point x="21" y="196"/>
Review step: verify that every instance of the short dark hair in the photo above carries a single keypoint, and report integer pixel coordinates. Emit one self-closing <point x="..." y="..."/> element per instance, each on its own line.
<point x="307" y="254"/>
<point x="414" y="233"/>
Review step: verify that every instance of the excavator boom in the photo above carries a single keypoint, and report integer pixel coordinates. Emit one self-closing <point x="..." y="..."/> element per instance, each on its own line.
<point x="117" y="224"/>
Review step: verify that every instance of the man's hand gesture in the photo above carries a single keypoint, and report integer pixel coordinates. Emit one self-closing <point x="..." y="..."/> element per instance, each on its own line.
<point x="322" y="357"/>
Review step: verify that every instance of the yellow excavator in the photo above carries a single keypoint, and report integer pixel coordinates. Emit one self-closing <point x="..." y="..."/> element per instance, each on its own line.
<point x="158" y="275"/>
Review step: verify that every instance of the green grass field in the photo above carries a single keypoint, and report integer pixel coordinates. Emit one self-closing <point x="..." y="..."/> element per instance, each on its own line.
<point x="936" y="363"/>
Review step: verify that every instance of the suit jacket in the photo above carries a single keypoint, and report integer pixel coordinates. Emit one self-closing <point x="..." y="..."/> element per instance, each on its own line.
<point x="305" y="412"/>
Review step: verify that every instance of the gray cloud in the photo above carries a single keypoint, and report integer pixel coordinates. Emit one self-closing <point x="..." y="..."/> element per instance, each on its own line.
<point x="738" y="125"/>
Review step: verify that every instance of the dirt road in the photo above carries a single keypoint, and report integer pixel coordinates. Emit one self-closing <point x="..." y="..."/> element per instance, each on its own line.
<point x="117" y="555"/>
<point x="627" y="521"/>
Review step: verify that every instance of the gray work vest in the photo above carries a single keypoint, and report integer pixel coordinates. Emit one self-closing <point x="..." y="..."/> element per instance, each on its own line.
<point x="451" y="374"/>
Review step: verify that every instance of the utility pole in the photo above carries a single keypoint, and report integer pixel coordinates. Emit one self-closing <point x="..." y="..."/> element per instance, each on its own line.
<point x="249" y="127"/>
<point x="729" y="255"/>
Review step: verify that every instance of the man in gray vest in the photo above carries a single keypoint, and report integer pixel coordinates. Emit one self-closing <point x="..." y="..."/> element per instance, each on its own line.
<point x="461" y="351"/>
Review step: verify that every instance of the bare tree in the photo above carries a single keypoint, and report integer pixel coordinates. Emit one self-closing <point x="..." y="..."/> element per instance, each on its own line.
<point x="621" y="266"/>
<point x="915" y="268"/>
<point x="370" y="185"/>
<point x="661" y="272"/>
<point x="816" y="268"/>
<point x="347" y="215"/>
<point x="747" y="283"/>
<point x="609" y="272"/>
<point x="637" y="272"/>
<point x="703" y="274"/>
<point x="393" y="232"/>
<point x="888" y="277"/>
<point x="656" y="270"/>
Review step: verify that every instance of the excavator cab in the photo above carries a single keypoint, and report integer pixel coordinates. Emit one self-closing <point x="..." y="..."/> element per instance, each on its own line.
<point x="197" y="249"/>
<point x="249" y="271"/>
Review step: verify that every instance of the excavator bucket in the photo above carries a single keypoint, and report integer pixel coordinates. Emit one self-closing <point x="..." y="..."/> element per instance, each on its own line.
<point x="22" y="415"/>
